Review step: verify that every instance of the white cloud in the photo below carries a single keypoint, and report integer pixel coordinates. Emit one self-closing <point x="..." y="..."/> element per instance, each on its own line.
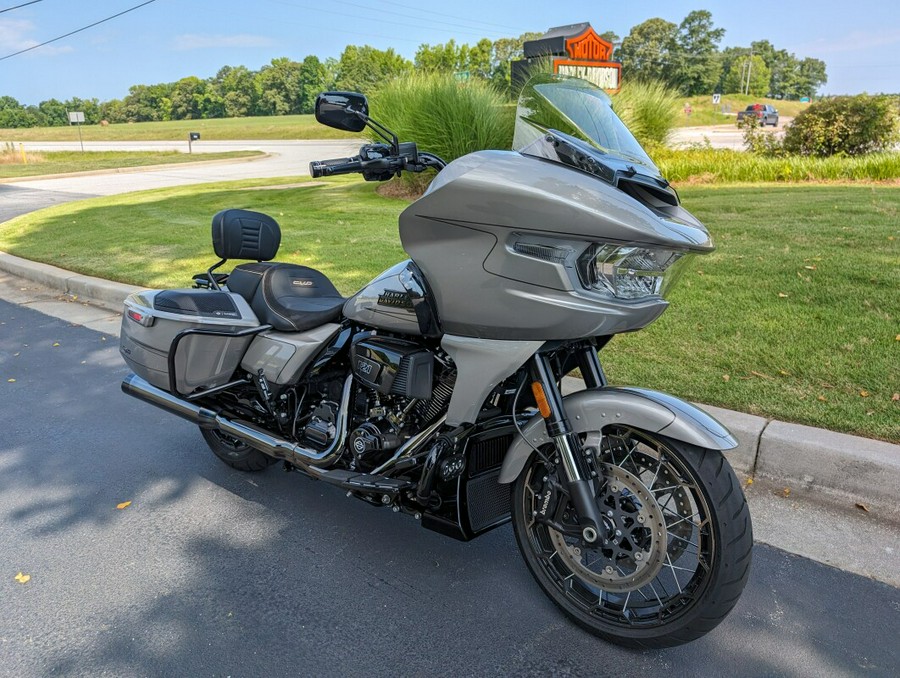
<point x="852" y="42"/>
<point x="199" y="41"/>
<point x="14" y="37"/>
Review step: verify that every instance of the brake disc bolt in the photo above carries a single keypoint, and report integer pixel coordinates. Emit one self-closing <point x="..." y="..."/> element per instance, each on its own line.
<point x="640" y="519"/>
<point x="638" y="556"/>
<point x="618" y="533"/>
<point x="609" y="513"/>
<point x="385" y="499"/>
<point x="609" y="569"/>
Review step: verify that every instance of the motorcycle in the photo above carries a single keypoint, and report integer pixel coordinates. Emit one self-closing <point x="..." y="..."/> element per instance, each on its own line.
<point x="435" y="391"/>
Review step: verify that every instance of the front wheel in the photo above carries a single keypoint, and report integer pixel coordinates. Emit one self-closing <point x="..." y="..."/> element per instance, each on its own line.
<point x="675" y="551"/>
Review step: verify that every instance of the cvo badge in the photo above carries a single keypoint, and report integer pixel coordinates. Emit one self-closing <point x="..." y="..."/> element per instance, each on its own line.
<point x="302" y="282"/>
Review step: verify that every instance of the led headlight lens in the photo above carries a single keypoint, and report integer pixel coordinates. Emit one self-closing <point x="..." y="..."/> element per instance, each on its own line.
<point x="630" y="272"/>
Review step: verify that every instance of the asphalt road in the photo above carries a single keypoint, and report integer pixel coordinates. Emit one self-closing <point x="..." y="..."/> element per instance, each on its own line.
<point x="287" y="158"/>
<point x="213" y="572"/>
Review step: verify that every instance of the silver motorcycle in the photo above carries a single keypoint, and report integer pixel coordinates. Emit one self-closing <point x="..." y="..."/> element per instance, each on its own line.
<point x="435" y="391"/>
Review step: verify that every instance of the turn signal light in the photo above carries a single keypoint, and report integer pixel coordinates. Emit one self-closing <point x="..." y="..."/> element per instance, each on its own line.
<point x="541" y="399"/>
<point x="140" y="318"/>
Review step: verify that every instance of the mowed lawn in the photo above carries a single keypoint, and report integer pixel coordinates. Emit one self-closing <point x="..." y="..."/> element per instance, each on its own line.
<point x="268" y="127"/>
<point x="64" y="162"/>
<point x="796" y="316"/>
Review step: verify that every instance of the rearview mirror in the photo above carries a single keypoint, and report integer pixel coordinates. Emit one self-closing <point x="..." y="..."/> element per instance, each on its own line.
<point x="340" y="110"/>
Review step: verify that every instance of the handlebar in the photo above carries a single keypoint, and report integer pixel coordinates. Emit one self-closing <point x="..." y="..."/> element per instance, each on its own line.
<point x="329" y="168"/>
<point x="377" y="162"/>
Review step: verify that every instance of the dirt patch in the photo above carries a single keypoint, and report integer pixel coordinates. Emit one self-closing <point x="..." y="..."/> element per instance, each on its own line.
<point x="402" y="189"/>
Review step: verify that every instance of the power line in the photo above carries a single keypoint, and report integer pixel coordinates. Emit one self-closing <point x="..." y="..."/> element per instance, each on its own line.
<point x="387" y="21"/>
<point x="78" y="30"/>
<point x="24" y="4"/>
<point x="450" y="16"/>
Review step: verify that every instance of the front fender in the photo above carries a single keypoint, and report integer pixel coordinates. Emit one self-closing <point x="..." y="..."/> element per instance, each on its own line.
<point x="641" y="408"/>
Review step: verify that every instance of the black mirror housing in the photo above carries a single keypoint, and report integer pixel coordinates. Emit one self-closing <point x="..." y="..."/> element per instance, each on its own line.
<point x="341" y="110"/>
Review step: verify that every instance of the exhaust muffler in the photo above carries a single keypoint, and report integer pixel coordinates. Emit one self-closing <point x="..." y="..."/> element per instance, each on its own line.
<point x="246" y="432"/>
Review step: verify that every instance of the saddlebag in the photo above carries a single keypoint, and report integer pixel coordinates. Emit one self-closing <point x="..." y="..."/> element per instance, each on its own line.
<point x="152" y="327"/>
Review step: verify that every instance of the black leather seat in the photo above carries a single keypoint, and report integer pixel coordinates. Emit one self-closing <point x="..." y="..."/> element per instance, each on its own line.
<point x="288" y="297"/>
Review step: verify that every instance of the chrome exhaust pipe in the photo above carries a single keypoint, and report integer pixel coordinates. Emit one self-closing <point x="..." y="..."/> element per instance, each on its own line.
<point x="246" y="432"/>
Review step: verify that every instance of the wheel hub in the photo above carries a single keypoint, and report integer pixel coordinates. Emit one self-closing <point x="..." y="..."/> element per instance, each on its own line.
<point x="631" y="549"/>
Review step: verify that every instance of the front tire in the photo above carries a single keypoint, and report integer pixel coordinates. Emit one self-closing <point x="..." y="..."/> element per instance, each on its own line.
<point x="677" y="549"/>
<point x="238" y="455"/>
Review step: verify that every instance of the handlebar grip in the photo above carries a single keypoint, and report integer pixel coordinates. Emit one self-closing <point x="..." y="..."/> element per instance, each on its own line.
<point x="328" y="168"/>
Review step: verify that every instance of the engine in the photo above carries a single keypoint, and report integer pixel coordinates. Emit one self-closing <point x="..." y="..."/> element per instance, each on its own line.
<point x="400" y="387"/>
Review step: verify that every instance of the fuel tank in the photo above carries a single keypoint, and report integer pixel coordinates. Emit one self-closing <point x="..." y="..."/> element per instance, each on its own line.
<point x="398" y="300"/>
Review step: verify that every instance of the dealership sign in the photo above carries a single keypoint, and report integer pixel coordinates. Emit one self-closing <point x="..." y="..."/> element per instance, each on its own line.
<point x="577" y="51"/>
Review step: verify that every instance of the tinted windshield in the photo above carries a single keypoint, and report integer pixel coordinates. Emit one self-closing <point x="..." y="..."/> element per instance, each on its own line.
<point x="579" y="109"/>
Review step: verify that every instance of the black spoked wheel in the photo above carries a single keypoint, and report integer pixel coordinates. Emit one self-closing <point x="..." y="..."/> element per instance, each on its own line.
<point x="235" y="453"/>
<point x="675" y="550"/>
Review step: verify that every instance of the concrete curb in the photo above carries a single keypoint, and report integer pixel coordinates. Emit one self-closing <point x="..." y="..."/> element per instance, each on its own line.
<point x="103" y="293"/>
<point x="834" y="467"/>
<point x="130" y="170"/>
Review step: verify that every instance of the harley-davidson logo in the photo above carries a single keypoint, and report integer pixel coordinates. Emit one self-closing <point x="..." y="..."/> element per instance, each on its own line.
<point x="394" y="299"/>
<point x="589" y="47"/>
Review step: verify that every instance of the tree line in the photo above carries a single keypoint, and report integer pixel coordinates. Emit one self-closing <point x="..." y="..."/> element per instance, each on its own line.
<point x="686" y="57"/>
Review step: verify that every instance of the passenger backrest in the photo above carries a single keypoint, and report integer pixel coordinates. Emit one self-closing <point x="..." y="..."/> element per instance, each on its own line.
<point x="243" y="234"/>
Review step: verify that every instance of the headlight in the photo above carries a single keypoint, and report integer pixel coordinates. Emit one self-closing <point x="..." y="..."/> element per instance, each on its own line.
<point x="630" y="272"/>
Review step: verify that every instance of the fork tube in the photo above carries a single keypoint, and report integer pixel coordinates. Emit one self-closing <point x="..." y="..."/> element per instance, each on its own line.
<point x="568" y="447"/>
<point x="591" y="369"/>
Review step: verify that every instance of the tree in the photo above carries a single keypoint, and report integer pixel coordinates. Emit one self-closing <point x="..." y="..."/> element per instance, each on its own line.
<point x="442" y="58"/>
<point x="148" y="102"/>
<point x="278" y="86"/>
<point x="694" y="65"/>
<point x="235" y="86"/>
<point x="313" y="80"/>
<point x="54" y="112"/>
<point x="752" y="67"/>
<point x="645" y="50"/>
<point x="810" y="77"/>
<point x="360" y="69"/>
<point x="507" y="50"/>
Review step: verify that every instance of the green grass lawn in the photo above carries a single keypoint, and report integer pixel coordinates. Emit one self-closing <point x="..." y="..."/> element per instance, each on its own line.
<point x="796" y="316"/>
<point x="59" y="162"/>
<point x="270" y="127"/>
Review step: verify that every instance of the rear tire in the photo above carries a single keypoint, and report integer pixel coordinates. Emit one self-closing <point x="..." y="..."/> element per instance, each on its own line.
<point x="238" y="455"/>
<point x="646" y="589"/>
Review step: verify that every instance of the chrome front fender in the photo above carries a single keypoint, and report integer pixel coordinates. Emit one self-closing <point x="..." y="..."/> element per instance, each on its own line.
<point x="641" y="408"/>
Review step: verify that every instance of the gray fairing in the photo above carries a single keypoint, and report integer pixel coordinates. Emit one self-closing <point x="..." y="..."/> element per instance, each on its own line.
<point x="594" y="409"/>
<point x="462" y="232"/>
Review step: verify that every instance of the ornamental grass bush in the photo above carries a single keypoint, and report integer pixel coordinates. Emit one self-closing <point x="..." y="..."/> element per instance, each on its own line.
<point x="649" y="109"/>
<point x="444" y="115"/>
<point x="845" y="125"/>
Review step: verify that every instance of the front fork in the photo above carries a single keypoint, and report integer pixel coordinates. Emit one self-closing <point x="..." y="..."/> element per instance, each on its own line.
<point x="579" y="477"/>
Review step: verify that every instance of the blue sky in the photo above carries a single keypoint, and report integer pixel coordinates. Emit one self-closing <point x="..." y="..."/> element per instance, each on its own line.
<point x="170" y="39"/>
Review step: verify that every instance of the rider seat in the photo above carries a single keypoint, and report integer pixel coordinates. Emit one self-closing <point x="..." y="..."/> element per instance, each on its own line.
<point x="289" y="297"/>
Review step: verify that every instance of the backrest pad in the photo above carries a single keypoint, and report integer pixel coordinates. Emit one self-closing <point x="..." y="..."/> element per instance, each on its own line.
<point x="243" y="234"/>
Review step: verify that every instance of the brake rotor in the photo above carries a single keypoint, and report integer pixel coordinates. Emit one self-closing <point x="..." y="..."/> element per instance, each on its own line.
<point x="632" y="550"/>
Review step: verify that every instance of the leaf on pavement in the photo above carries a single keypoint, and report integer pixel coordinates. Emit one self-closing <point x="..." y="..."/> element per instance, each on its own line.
<point x="123" y="505"/>
<point x="786" y="492"/>
<point x="55" y="344"/>
<point x="862" y="507"/>
<point x="11" y="381"/>
<point x="23" y="578"/>
<point x="749" y="481"/>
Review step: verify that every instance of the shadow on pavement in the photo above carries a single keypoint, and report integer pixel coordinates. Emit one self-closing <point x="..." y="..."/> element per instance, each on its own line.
<point x="215" y="572"/>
